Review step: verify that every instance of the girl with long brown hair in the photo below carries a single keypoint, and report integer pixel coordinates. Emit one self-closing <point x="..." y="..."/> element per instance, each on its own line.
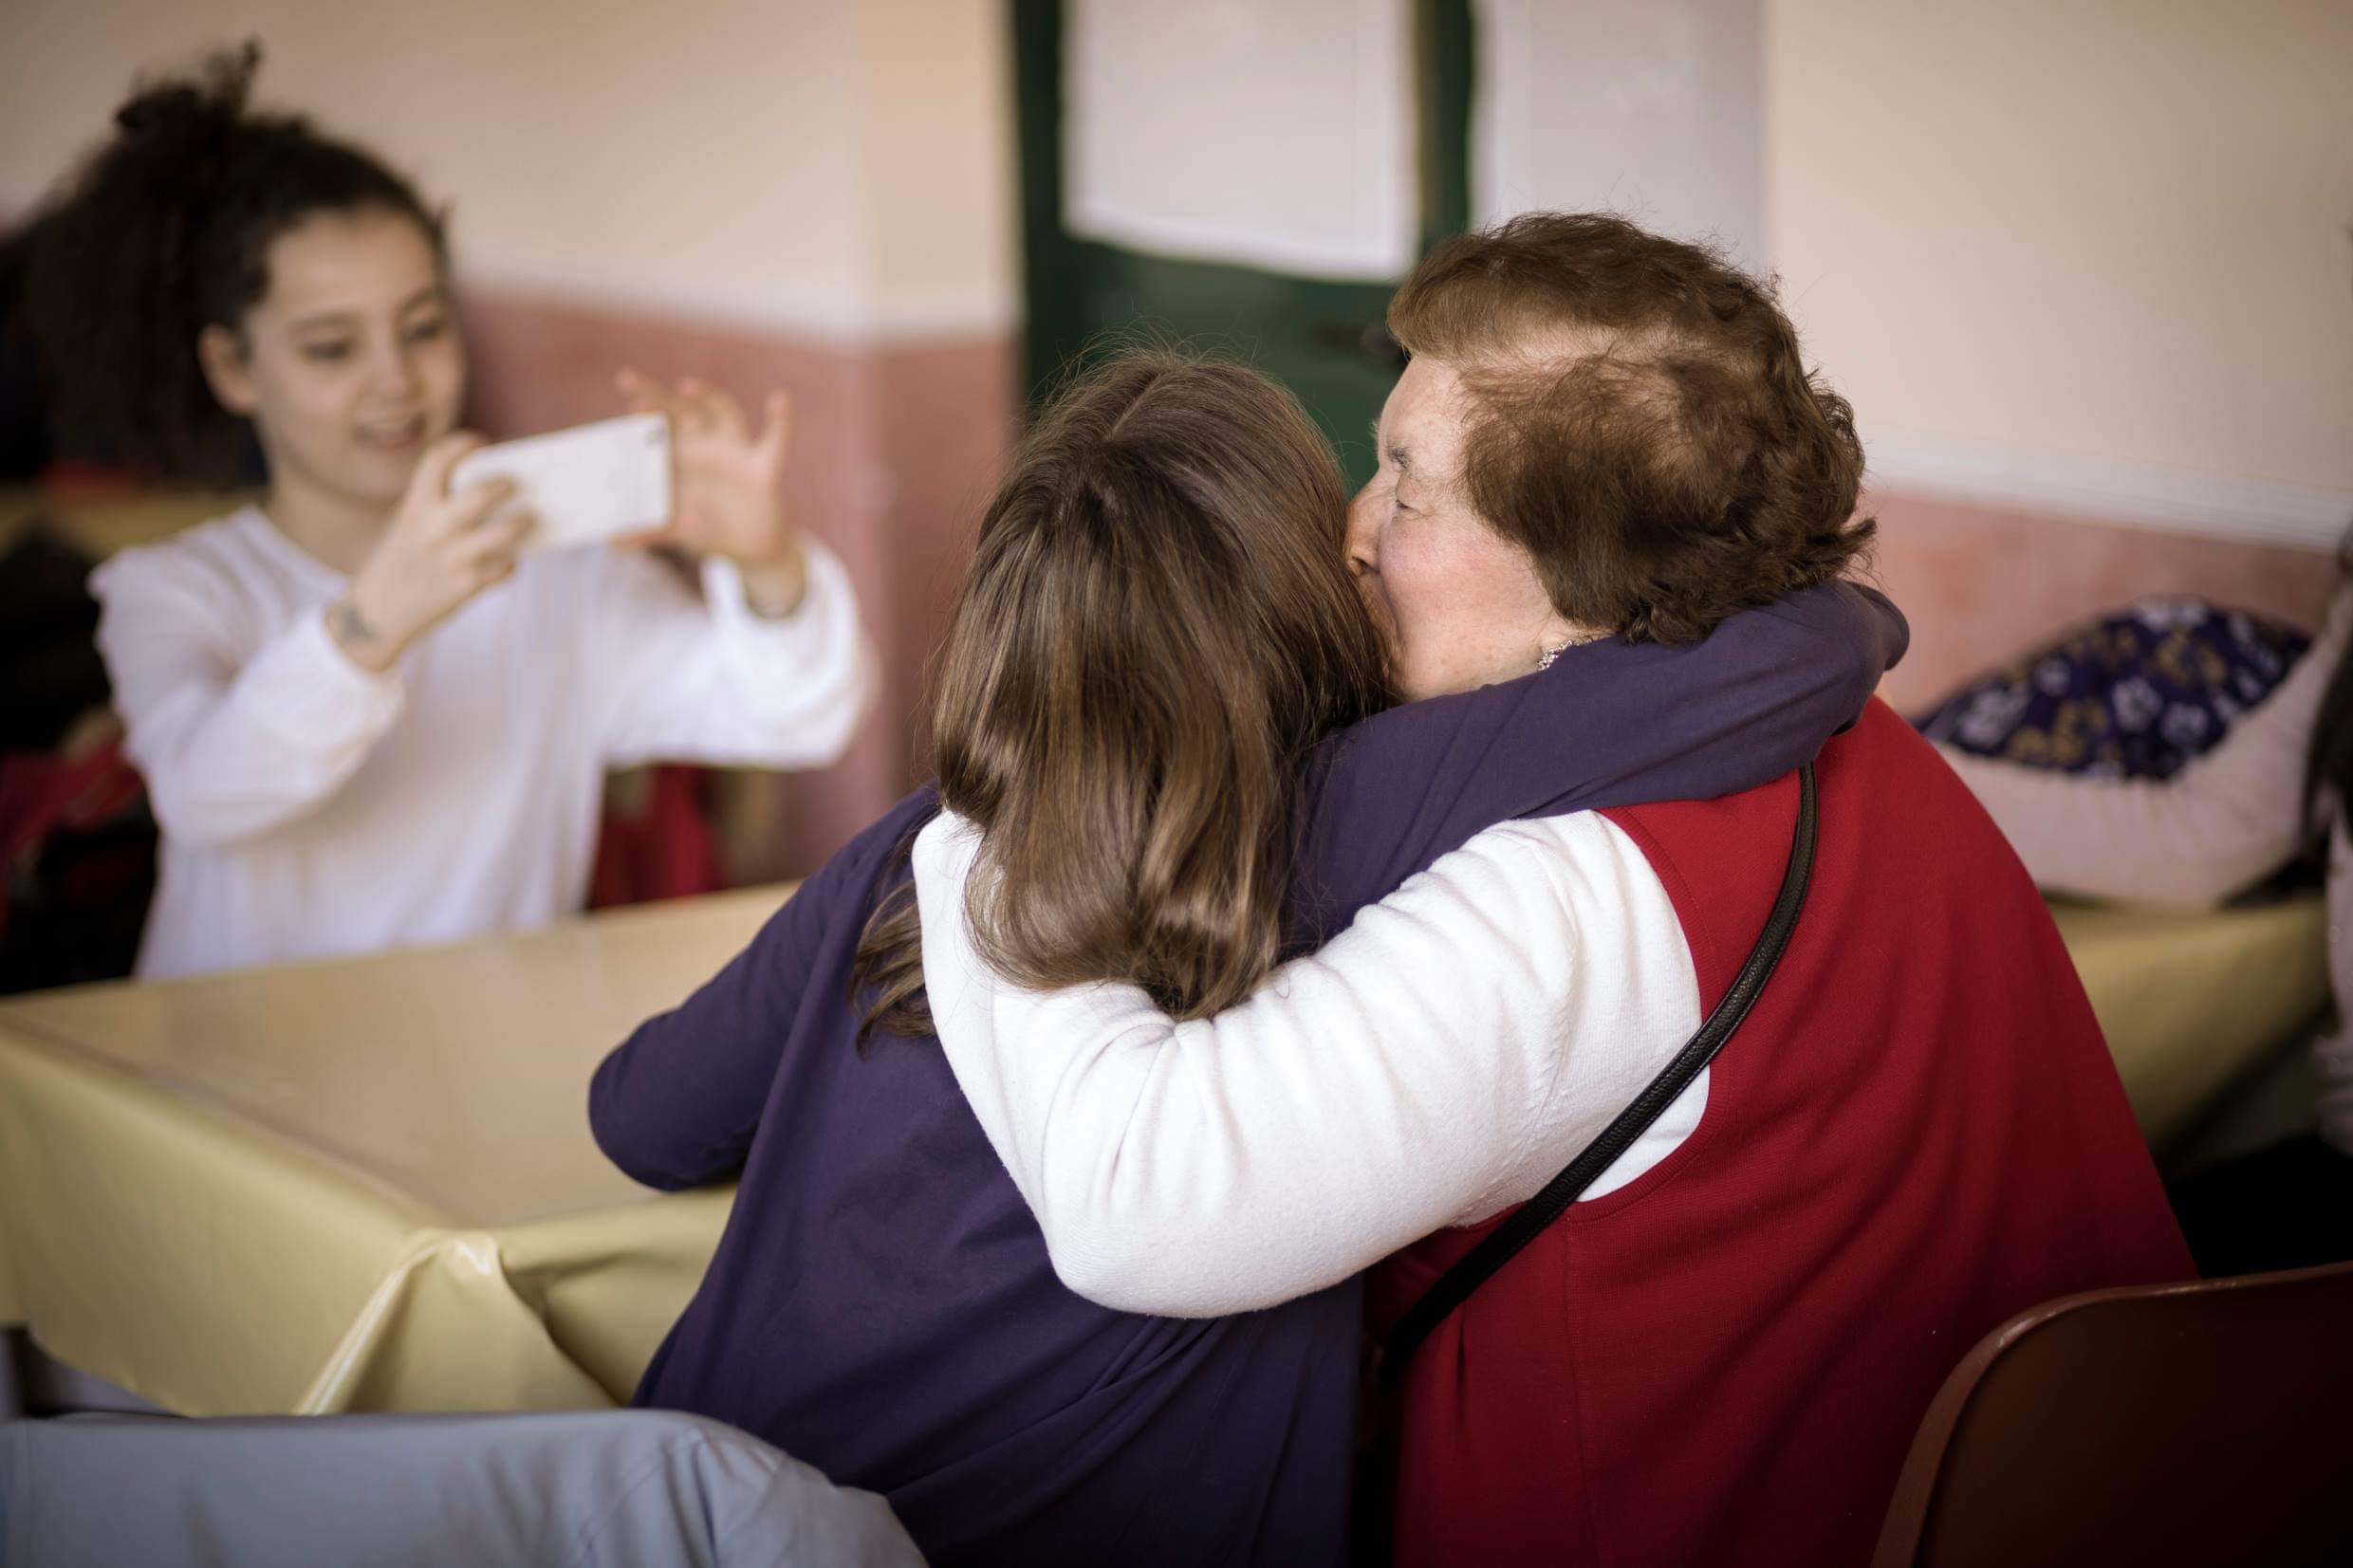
<point x="1158" y="703"/>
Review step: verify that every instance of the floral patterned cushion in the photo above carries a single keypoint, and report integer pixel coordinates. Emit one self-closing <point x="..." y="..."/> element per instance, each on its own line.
<point x="2134" y="695"/>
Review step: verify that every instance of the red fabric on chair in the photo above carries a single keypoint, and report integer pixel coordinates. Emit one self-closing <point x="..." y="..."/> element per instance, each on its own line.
<point x="662" y="849"/>
<point x="42" y="791"/>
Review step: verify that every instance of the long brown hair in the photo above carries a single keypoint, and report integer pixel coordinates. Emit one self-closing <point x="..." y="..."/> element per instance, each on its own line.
<point x="1158" y="623"/>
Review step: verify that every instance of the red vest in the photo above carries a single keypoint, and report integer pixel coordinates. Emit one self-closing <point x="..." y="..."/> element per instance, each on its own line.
<point x="1917" y="1133"/>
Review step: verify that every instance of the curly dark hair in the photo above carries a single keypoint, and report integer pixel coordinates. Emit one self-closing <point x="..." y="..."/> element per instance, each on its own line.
<point x="1642" y="422"/>
<point x="165" y="229"/>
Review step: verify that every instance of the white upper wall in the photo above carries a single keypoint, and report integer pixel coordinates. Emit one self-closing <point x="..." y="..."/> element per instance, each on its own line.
<point x="2093" y="248"/>
<point x="1653" y="109"/>
<point x="842" y="167"/>
<point x="938" y="183"/>
<point x="1272" y="136"/>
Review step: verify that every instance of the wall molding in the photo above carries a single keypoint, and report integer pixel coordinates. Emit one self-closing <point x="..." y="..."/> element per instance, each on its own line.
<point x="854" y="320"/>
<point x="2111" y="491"/>
<point x="856" y="317"/>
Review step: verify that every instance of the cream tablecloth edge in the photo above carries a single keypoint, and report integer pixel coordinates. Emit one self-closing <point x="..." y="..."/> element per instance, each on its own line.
<point x="2192" y="1004"/>
<point x="388" y="1309"/>
<point x="391" y="1306"/>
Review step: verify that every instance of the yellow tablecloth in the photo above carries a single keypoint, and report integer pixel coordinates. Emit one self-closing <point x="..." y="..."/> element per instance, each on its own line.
<point x="2192" y="1002"/>
<point x="370" y="1185"/>
<point x="354" y="1185"/>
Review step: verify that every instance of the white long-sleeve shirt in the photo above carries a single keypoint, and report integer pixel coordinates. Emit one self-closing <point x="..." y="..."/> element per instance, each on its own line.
<point x="311" y="810"/>
<point x="1438" y="1061"/>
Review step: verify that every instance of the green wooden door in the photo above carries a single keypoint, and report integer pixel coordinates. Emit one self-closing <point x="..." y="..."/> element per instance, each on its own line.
<point x="1321" y="337"/>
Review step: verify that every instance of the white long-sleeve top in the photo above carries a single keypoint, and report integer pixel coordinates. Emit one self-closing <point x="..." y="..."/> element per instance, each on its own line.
<point x="1437" y="1062"/>
<point x="311" y="810"/>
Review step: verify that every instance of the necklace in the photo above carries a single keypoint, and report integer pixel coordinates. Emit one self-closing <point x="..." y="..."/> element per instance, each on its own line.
<point x="1574" y="641"/>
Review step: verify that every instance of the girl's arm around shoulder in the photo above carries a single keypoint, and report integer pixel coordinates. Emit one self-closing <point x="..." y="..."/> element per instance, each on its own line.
<point x="677" y="1103"/>
<point x="1439" y="1060"/>
<point x="1755" y="699"/>
<point x="1610" y="724"/>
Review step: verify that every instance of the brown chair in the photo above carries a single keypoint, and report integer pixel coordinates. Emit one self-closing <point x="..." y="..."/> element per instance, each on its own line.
<point x="2202" y="1423"/>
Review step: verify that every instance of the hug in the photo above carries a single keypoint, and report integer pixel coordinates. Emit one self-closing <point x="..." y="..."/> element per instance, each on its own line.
<point x="1209" y="1003"/>
<point x="1445" y="1024"/>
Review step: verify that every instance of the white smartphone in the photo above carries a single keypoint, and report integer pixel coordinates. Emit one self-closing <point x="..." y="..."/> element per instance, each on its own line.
<point x="588" y="484"/>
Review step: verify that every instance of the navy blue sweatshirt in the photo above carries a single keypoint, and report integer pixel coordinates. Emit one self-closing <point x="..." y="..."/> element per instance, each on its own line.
<point x="882" y="1304"/>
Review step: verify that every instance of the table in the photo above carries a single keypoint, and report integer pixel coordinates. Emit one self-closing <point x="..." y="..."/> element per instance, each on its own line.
<point x="2192" y="1004"/>
<point x="358" y="1185"/>
<point x="369" y="1185"/>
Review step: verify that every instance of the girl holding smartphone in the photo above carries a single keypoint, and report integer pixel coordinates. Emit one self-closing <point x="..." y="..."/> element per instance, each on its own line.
<point x="365" y="719"/>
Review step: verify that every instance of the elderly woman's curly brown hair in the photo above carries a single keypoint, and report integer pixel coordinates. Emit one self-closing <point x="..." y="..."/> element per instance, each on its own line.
<point x="1642" y="422"/>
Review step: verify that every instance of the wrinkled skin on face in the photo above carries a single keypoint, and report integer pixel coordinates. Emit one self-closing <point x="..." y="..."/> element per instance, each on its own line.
<point x="1462" y="604"/>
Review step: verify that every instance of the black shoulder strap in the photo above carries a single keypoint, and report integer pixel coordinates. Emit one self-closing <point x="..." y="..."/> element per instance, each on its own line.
<point x="1454" y="1286"/>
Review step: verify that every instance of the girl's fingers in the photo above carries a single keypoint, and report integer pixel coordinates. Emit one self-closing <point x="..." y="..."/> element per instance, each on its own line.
<point x="686" y="413"/>
<point x="721" y="414"/>
<point x="469" y="507"/>
<point x="487" y="554"/>
<point x="645" y="395"/>
<point x="696" y="408"/>
<point x="704" y="410"/>
<point x="431" y="478"/>
<point x="776" y="427"/>
<point x="490" y="570"/>
<point x="507" y="531"/>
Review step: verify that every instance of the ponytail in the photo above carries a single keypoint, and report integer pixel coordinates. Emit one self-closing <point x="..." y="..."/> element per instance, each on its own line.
<point x="165" y="231"/>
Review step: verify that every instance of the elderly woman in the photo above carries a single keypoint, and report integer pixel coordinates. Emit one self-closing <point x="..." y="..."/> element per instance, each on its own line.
<point x="1720" y="1352"/>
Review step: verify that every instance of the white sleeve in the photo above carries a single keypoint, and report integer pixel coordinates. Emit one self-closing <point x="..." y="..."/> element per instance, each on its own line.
<point x="232" y="746"/>
<point x="709" y="680"/>
<point x="2228" y="819"/>
<point x="1437" y="1062"/>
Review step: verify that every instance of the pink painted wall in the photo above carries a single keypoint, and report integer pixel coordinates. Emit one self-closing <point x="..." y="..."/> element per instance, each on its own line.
<point x="895" y="449"/>
<point x="895" y="446"/>
<point x="1980" y="584"/>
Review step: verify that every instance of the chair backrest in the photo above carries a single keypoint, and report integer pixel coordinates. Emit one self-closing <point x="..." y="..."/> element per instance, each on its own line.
<point x="2206" y="1422"/>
